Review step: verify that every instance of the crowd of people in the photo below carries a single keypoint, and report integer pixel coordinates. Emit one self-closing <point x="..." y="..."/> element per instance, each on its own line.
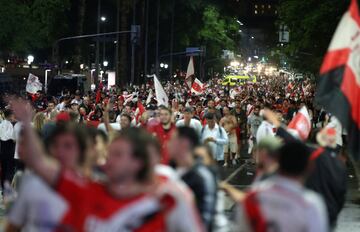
<point x="116" y="160"/>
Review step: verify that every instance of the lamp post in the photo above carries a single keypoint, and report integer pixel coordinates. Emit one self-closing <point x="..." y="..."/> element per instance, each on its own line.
<point x="92" y="76"/>
<point x="46" y="79"/>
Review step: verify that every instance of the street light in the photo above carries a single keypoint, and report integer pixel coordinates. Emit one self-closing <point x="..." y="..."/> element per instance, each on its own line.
<point x="46" y="79"/>
<point x="241" y="24"/>
<point x="252" y="37"/>
<point x="166" y="66"/>
<point x="105" y="63"/>
<point x="30" y="59"/>
<point x="162" y="65"/>
<point x="103" y="18"/>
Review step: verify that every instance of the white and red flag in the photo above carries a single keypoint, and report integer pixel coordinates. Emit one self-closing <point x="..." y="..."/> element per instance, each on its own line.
<point x="197" y="87"/>
<point x="190" y="72"/>
<point x="338" y="88"/>
<point x="301" y="124"/>
<point x="33" y="85"/>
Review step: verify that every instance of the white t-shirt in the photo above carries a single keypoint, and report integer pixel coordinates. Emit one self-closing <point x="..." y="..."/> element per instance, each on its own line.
<point x="194" y="123"/>
<point x="116" y="126"/>
<point x="17" y="130"/>
<point x="38" y="207"/>
<point x="265" y="129"/>
<point x="6" y="131"/>
<point x="282" y="205"/>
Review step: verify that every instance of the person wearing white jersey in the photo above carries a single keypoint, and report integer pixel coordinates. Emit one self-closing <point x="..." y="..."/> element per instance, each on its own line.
<point x="282" y="203"/>
<point x="190" y="121"/>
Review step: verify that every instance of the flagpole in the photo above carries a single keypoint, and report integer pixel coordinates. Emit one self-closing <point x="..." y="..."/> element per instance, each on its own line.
<point x="157" y="38"/>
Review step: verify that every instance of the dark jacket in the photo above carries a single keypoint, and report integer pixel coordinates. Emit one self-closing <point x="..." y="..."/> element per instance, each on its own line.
<point x="327" y="177"/>
<point x="203" y="184"/>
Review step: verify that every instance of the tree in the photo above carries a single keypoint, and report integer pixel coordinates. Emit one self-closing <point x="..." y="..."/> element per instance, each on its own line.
<point x="217" y="32"/>
<point x="30" y="25"/>
<point x="311" y="24"/>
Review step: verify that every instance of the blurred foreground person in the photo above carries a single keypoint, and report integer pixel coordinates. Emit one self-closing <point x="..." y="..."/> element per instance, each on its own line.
<point x="266" y="156"/>
<point x="38" y="207"/>
<point x="282" y="203"/>
<point x="328" y="174"/>
<point x="197" y="176"/>
<point x="130" y="199"/>
<point x="220" y="222"/>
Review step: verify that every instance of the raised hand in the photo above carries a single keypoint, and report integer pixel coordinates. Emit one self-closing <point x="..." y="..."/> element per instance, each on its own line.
<point x="22" y="110"/>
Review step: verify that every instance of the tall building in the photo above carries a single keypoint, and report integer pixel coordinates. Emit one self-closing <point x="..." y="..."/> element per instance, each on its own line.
<point x="259" y="32"/>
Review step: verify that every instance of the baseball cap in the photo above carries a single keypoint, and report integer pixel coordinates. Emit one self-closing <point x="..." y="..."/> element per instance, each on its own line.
<point x="270" y="143"/>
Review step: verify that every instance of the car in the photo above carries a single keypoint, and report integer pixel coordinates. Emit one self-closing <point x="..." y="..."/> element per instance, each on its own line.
<point x="233" y="80"/>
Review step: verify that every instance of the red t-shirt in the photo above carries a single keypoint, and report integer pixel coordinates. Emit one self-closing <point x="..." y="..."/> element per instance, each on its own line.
<point x="164" y="137"/>
<point x="93" y="209"/>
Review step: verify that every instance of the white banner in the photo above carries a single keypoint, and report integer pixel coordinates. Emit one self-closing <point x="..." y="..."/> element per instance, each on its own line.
<point x="33" y="85"/>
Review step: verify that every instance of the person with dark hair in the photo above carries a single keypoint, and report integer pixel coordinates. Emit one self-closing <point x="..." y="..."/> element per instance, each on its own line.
<point x="197" y="176"/>
<point x="7" y="147"/>
<point x="328" y="174"/>
<point x="266" y="156"/>
<point x="125" y="121"/>
<point x="131" y="199"/>
<point x="215" y="136"/>
<point x="189" y="121"/>
<point x="38" y="207"/>
<point x="282" y="203"/>
<point x="163" y="131"/>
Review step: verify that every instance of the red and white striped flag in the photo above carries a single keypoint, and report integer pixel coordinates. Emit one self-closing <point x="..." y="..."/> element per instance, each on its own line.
<point x="301" y="124"/>
<point x="338" y="88"/>
<point x="190" y="72"/>
<point x="197" y="87"/>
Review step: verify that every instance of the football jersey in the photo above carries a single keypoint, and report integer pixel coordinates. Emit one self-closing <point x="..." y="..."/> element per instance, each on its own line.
<point x="279" y="204"/>
<point x="38" y="208"/>
<point x="92" y="208"/>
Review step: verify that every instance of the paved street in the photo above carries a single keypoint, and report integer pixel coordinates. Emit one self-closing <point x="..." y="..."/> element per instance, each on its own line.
<point x="349" y="220"/>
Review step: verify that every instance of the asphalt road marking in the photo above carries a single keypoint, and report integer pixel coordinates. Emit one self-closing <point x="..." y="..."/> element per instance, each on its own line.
<point x="234" y="173"/>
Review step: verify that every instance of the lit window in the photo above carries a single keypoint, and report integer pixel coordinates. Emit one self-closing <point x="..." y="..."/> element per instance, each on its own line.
<point x="276" y="12"/>
<point x="256" y="6"/>
<point x="263" y="6"/>
<point x="256" y="11"/>
<point x="269" y="6"/>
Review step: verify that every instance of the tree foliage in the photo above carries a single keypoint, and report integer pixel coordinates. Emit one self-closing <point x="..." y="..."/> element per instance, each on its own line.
<point x="311" y="24"/>
<point x="29" y="25"/>
<point x="217" y="32"/>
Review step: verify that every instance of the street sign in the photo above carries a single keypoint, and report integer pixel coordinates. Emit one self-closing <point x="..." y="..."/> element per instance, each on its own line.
<point x="193" y="51"/>
<point x="284" y="35"/>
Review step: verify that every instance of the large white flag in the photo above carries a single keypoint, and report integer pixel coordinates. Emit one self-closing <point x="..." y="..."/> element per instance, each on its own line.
<point x="197" y="87"/>
<point x="33" y="85"/>
<point x="161" y="96"/>
<point x="190" y="72"/>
